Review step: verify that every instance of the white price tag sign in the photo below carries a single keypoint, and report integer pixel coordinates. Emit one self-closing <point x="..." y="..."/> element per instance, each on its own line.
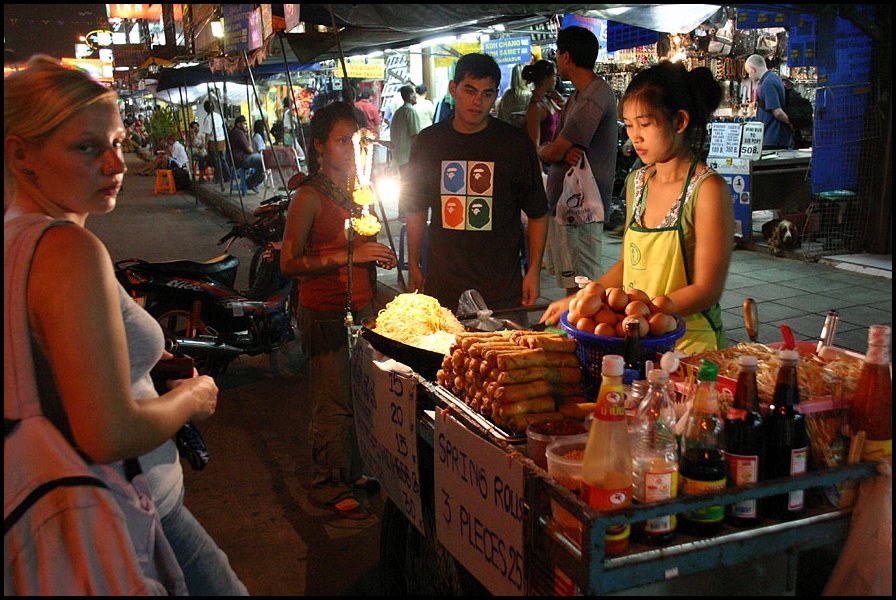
<point x="480" y="506"/>
<point x="751" y="144"/>
<point x="725" y="141"/>
<point x="385" y="404"/>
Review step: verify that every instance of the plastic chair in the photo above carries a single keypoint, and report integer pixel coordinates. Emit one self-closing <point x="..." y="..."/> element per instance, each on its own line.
<point x="165" y="181"/>
<point x="242" y="176"/>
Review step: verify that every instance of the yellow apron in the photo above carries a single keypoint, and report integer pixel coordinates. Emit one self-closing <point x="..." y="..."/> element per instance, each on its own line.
<point x="656" y="262"/>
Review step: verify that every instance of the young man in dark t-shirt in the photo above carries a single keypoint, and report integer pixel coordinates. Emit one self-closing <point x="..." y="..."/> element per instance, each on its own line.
<point x="475" y="174"/>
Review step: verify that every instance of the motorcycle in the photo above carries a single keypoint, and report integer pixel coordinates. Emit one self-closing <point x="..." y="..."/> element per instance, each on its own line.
<point x="201" y="311"/>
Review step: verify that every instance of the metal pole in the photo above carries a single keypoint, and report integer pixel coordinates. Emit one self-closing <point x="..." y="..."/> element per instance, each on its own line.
<point x="267" y="130"/>
<point x="293" y="97"/>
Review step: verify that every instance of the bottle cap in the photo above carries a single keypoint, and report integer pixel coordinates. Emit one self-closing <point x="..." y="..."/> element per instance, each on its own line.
<point x="613" y="365"/>
<point x="709" y="371"/>
<point x="658" y="376"/>
<point x="747" y="361"/>
<point x="581" y="281"/>
<point x="790" y="356"/>
<point x="879" y="335"/>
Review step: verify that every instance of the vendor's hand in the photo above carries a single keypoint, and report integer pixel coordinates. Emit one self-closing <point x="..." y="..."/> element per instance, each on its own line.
<point x="551" y="316"/>
<point x="415" y="278"/>
<point x="204" y="393"/>
<point x="374" y="252"/>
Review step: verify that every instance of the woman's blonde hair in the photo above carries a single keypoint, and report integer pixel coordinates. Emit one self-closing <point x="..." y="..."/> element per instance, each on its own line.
<point x="39" y="98"/>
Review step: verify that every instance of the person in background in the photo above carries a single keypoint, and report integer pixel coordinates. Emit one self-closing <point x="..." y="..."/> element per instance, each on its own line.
<point x="315" y="249"/>
<point x="215" y="141"/>
<point x="515" y="99"/>
<point x="424" y="107"/>
<point x="475" y="173"/>
<point x="290" y="122"/>
<point x="61" y="165"/>
<point x="196" y="144"/>
<point x="679" y="215"/>
<point x="770" y="103"/>
<point x="258" y="136"/>
<point x="374" y="120"/>
<point x="587" y="128"/>
<point x="162" y="160"/>
<point x="243" y="155"/>
<point x="405" y="126"/>
<point x="545" y="104"/>
<point x="177" y="154"/>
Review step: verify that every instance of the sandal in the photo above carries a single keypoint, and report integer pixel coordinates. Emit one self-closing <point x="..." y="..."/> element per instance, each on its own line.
<point x="349" y="508"/>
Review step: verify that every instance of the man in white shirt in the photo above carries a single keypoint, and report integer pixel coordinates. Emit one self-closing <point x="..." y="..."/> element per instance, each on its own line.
<point x="424" y="107"/>
<point x="405" y="126"/>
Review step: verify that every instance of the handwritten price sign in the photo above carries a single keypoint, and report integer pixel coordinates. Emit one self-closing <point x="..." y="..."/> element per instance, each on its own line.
<point x="385" y="402"/>
<point x="480" y="507"/>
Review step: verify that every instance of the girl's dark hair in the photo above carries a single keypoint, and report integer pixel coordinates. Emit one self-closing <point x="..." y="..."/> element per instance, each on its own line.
<point x="322" y="124"/>
<point x="669" y="87"/>
<point x="538" y="72"/>
<point x="258" y="127"/>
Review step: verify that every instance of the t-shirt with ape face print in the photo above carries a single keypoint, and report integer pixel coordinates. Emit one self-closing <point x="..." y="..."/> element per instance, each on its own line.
<point x="475" y="187"/>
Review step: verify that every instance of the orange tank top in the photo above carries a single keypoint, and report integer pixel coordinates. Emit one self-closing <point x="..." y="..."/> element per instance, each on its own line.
<point x="327" y="291"/>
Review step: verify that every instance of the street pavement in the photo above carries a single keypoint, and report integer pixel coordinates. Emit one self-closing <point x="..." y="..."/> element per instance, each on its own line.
<point x="252" y="496"/>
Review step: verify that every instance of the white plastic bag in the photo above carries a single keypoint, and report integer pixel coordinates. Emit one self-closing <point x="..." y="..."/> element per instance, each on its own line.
<point x="580" y="202"/>
<point x="865" y="567"/>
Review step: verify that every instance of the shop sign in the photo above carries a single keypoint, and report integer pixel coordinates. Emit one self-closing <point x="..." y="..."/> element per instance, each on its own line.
<point x="126" y="11"/>
<point x="751" y="144"/>
<point x="237" y="26"/>
<point x="736" y="173"/>
<point x="384" y="395"/>
<point x="371" y="68"/>
<point x="480" y="506"/>
<point x="455" y="52"/>
<point x="736" y="140"/>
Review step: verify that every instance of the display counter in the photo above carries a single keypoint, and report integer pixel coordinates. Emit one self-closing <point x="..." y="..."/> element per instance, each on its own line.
<point x="501" y="505"/>
<point x="781" y="180"/>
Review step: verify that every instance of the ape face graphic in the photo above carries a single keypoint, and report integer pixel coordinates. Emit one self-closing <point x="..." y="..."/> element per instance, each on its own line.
<point x="480" y="178"/>
<point x="454" y="177"/>
<point x="479" y="214"/>
<point x="452" y="212"/>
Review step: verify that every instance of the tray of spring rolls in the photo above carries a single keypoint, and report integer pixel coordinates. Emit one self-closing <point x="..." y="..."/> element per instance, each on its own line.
<point x="514" y="378"/>
<point x="504" y="380"/>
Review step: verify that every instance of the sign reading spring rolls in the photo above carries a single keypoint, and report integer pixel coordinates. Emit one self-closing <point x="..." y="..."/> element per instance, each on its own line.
<point x="480" y="506"/>
<point x="384" y="394"/>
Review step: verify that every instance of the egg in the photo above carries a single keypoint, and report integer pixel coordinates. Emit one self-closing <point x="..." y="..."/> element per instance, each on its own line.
<point x="617" y="299"/>
<point x="620" y="329"/>
<point x="661" y="324"/>
<point x="638" y="309"/>
<point x="664" y="304"/>
<point x="590" y="304"/>
<point x="637" y="295"/>
<point x="595" y="288"/>
<point x="607" y="316"/>
<point x="605" y="329"/>
<point x="643" y="325"/>
<point x="586" y="324"/>
<point x="574" y="314"/>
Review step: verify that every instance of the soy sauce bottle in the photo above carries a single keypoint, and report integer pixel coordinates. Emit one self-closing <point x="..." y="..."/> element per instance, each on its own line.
<point x="788" y="440"/>
<point x="744" y="443"/>
<point x="702" y="468"/>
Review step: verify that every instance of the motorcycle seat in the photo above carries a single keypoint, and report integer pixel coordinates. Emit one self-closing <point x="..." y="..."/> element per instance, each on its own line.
<point x="212" y="267"/>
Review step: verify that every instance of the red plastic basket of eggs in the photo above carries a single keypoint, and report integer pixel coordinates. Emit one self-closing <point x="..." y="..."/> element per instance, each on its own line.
<point x="596" y="320"/>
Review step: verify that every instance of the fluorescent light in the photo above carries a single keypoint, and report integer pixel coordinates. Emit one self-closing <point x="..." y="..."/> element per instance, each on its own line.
<point x="218" y="28"/>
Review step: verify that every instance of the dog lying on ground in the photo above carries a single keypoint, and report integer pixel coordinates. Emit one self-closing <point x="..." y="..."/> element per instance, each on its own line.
<point x="781" y="235"/>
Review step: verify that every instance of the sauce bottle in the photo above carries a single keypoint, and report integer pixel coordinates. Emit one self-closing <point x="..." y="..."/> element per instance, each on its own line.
<point x="607" y="463"/>
<point x="787" y="439"/>
<point x="702" y="468"/>
<point x="872" y="407"/>
<point x="655" y="457"/>
<point x="744" y="442"/>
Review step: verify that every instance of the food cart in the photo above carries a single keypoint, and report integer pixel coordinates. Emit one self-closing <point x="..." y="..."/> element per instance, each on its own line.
<point x="470" y="511"/>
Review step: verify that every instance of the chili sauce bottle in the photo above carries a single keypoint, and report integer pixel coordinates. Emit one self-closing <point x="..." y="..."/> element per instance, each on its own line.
<point x="607" y="463"/>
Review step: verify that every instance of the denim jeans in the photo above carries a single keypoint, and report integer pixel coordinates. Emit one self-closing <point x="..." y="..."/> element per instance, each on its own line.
<point x="206" y="568"/>
<point x="254" y="161"/>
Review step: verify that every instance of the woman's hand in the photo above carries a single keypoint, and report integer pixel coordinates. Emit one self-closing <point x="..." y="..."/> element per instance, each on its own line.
<point x="375" y="252"/>
<point x="551" y="316"/>
<point x="204" y="392"/>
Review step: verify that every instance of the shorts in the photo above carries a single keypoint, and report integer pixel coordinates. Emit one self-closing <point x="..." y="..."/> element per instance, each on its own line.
<point x="575" y="250"/>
